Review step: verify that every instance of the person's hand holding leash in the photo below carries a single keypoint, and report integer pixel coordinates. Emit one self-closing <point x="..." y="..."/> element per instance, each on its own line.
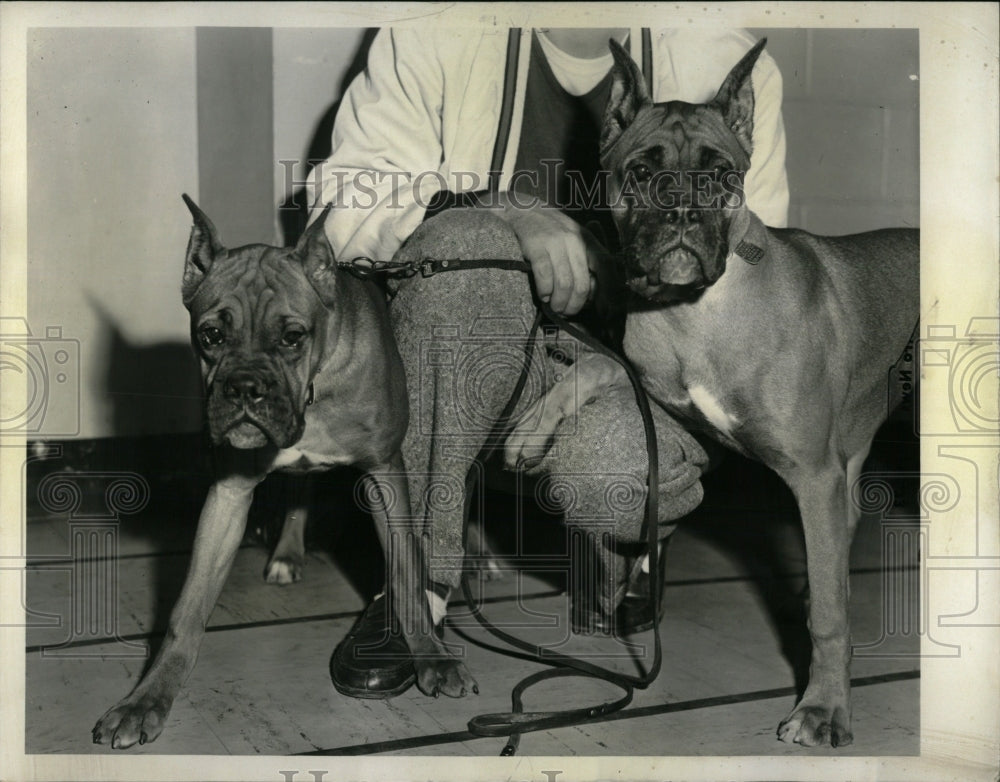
<point x="564" y="255"/>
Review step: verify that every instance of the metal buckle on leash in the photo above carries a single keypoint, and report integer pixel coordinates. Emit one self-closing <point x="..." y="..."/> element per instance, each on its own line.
<point x="428" y="268"/>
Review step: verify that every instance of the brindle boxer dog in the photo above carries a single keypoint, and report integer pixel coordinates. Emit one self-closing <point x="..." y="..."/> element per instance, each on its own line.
<point x="302" y="374"/>
<point x="777" y="342"/>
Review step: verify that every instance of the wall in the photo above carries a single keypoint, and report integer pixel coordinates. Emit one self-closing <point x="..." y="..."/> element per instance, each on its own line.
<point x="851" y="120"/>
<point x="235" y="132"/>
<point x="112" y="143"/>
<point x="312" y="68"/>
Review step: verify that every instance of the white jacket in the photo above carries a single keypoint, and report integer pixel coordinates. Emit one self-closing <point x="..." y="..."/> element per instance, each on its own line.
<point x="424" y="114"/>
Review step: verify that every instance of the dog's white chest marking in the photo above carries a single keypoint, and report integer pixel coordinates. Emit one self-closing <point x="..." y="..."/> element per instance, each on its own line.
<point x="710" y="407"/>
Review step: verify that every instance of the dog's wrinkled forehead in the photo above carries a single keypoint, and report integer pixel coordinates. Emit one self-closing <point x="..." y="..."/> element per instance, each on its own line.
<point x="676" y="135"/>
<point x="255" y="282"/>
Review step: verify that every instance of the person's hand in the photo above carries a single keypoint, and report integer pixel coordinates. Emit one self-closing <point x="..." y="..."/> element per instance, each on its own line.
<point x="563" y="255"/>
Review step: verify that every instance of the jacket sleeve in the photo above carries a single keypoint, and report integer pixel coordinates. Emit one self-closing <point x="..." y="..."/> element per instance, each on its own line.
<point x="386" y="147"/>
<point x="767" y="182"/>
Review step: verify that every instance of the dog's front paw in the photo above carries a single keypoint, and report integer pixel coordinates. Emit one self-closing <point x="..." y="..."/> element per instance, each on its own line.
<point x="816" y="725"/>
<point x="283" y="570"/>
<point x="529" y="440"/>
<point x="444" y="675"/>
<point x="136" y="719"/>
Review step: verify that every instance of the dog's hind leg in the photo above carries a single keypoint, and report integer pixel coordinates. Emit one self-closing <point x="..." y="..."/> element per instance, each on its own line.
<point x="854" y="465"/>
<point x="288" y="559"/>
<point x="824" y="713"/>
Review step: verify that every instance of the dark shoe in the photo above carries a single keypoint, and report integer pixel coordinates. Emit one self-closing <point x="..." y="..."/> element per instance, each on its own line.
<point x="372" y="661"/>
<point x="635" y="612"/>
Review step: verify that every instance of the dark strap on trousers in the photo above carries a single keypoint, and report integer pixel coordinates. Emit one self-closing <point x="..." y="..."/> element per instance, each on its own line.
<point x="433" y="266"/>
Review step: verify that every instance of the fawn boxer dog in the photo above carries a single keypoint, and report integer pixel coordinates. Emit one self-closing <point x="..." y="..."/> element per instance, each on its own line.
<point x="302" y="374"/>
<point x="776" y="342"/>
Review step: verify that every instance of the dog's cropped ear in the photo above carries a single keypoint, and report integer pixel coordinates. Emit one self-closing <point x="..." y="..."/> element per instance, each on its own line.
<point x="316" y="255"/>
<point x="202" y="250"/>
<point x="628" y="95"/>
<point x="735" y="97"/>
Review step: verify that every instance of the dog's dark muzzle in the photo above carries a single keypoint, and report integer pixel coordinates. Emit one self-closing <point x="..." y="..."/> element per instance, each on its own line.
<point x="676" y="273"/>
<point x="251" y="409"/>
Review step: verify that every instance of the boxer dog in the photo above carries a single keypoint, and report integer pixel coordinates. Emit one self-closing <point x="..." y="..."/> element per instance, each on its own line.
<point x="776" y="342"/>
<point x="301" y="373"/>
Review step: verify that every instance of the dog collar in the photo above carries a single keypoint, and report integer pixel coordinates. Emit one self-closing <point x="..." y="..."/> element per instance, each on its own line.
<point x="750" y="253"/>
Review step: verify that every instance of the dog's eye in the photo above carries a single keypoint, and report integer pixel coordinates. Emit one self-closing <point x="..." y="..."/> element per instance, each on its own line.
<point x="210" y="336"/>
<point x="293" y="338"/>
<point x="717" y="164"/>
<point x="712" y="160"/>
<point x="641" y="172"/>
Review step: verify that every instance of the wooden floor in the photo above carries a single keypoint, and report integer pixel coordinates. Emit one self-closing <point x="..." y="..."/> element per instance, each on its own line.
<point x="262" y="685"/>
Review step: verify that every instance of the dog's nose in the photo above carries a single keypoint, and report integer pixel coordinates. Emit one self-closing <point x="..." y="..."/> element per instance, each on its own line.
<point x="244" y="386"/>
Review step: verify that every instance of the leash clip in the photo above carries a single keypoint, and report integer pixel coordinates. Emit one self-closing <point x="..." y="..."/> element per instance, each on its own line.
<point x="365" y="268"/>
<point x="361" y="267"/>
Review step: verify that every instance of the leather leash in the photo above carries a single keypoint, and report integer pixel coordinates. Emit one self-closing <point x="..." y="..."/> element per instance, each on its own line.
<point x="518" y="721"/>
